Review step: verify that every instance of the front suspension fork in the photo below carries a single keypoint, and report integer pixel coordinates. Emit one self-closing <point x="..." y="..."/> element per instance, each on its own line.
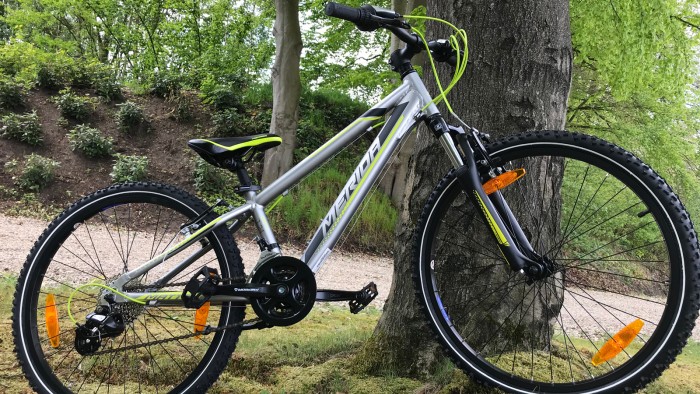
<point x="511" y="240"/>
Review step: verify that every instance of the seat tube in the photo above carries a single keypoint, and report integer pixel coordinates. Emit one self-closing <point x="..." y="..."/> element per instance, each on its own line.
<point x="262" y="224"/>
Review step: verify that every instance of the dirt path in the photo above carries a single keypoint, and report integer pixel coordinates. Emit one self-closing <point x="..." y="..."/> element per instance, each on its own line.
<point x="351" y="271"/>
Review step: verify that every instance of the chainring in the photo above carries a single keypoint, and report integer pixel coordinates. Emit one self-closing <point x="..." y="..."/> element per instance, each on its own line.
<point x="299" y="298"/>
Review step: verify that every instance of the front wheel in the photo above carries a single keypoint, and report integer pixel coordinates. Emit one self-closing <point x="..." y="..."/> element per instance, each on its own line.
<point x="624" y="258"/>
<point x="97" y="239"/>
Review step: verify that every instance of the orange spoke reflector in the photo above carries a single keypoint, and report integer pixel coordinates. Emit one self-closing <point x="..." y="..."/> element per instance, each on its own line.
<point x="51" y="314"/>
<point x="200" y="318"/>
<point x="503" y="180"/>
<point x="617" y="343"/>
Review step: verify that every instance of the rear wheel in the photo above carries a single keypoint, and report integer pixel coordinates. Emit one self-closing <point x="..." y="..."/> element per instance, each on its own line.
<point x="97" y="239"/>
<point x="622" y="247"/>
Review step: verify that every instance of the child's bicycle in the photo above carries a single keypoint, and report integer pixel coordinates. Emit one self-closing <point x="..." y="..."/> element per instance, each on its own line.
<point x="140" y="287"/>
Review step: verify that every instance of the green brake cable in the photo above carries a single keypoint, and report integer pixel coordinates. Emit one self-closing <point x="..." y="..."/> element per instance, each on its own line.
<point x="460" y="35"/>
<point x="94" y="284"/>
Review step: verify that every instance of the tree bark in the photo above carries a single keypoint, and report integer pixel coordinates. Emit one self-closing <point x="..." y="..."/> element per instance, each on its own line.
<point x="286" y="89"/>
<point x="518" y="79"/>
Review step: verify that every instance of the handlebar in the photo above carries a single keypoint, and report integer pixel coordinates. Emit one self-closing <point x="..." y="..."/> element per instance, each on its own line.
<point x="370" y="18"/>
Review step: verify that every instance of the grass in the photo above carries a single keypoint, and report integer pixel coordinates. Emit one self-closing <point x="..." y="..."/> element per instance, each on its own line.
<point x="316" y="355"/>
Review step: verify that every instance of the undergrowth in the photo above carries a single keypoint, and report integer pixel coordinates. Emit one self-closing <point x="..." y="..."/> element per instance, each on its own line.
<point x="300" y="212"/>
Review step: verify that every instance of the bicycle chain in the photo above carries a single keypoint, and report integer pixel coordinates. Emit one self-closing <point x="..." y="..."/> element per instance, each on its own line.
<point x="208" y="330"/>
<point x="240" y="279"/>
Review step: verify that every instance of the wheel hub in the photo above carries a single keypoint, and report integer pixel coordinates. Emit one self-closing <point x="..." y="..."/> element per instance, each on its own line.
<point x="541" y="269"/>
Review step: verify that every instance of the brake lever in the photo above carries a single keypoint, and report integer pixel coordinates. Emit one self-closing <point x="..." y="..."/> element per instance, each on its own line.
<point x="390" y="22"/>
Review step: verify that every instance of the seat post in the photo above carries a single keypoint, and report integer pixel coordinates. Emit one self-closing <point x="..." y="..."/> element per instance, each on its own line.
<point x="246" y="183"/>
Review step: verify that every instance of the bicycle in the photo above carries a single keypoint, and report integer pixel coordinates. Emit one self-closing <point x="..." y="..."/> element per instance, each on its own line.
<point x="602" y="225"/>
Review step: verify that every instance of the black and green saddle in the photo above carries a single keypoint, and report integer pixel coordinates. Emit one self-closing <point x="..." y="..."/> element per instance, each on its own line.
<point x="218" y="151"/>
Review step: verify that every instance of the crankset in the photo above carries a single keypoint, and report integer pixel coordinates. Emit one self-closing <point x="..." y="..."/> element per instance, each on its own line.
<point x="295" y="294"/>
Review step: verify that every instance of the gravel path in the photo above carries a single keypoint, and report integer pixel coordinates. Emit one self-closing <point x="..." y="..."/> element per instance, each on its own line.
<point x="351" y="271"/>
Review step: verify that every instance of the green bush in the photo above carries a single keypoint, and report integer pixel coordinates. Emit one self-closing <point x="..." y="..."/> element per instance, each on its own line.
<point x="38" y="172"/>
<point x="184" y="107"/>
<point x="57" y="72"/>
<point x="221" y="97"/>
<point x="129" y="116"/>
<point x="12" y="94"/>
<point x="164" y="84"/>
<point x="24" y="128"/>
<point x="129" y="168"/>
<point x="20" y="60"/>
<point x="228" y="123"/>
<point x="208" y="178"/>
<point x="73" y="106"/>
<point x="89" y="141"/>
<point x="213" y="183"/>
<point x="108" y="87"/>
<point x="259" y="95"/>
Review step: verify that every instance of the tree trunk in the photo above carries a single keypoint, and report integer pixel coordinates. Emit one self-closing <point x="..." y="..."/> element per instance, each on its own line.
<point x="518" y="79"/>
<point x="286" y="89"/>
<point x="393" y="184"/>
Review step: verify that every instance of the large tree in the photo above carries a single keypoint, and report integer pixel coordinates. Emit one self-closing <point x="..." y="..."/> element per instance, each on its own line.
<point x="286" y="89"/>
<point x="518" y="79"/>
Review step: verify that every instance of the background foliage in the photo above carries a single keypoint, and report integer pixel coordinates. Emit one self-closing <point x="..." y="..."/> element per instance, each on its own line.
<point x="635" y="68"/>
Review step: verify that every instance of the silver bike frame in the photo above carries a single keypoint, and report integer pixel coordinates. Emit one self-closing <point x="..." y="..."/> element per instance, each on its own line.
<point x="409" y="102"/>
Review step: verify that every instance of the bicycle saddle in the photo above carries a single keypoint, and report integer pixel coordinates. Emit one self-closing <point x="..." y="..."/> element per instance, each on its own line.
<point x="217" y="150"/>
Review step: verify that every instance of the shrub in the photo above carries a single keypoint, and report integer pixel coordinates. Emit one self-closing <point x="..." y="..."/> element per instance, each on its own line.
<point x="129" y="116"/>
<point x="109" y="88"/>
<point x="12" y="94"/>
<point x="56" y="73"/>
<point x="20" y="60"/>
<point x="102" y="78"/>
<point x="184" y="108"/>
<point x="129" y="168"/>
<point x="221" y="97"/>
<point x="228" y="123"/>
<point x="89" y="141"/>
<point x="164" y="84"/>
<point x="38" y="172"/>
<point x="213" y="183"/>
<point x="73" y="106"/>
<point x="208" y="178"/>
<point x="24" y="128"/>
<point x="258" y="95"/>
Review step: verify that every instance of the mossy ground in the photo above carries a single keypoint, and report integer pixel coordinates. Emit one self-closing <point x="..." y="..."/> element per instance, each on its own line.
<point x="317" y="356"/>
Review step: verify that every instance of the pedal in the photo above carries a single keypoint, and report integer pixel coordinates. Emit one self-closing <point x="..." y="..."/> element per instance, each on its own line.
<point x="358" y="300"/>
<point x="363" y="298"/>
<point x="200" y="288"/>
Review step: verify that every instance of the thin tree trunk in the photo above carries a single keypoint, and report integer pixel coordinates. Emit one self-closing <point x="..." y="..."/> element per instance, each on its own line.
<point x="518" y="79"/>
<point x="286" y="89"/>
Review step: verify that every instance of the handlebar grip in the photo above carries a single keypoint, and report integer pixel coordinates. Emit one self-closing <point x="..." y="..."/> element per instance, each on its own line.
<point x="361" y="17"/>
<point x="343" y="12"/>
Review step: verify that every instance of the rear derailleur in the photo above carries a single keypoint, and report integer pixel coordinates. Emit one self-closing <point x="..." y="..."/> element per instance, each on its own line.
<point x="101" y="324"/>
